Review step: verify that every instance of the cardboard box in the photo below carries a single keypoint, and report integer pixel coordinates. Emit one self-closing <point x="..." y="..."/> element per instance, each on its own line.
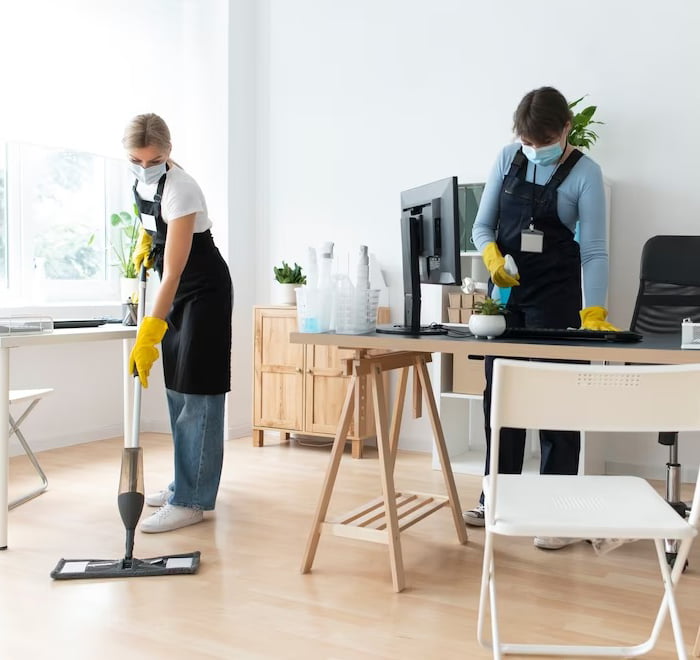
<point x="453" y="314"/>
<point x="455" y="299"/>
<point x="465" y="315"/>
<point x="468" y="375"/>
<point x="478" y="297"/>
<point x="467" y="300"/>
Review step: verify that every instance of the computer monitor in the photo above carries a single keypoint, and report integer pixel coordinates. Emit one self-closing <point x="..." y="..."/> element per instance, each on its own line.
<point x="429" y="248"/>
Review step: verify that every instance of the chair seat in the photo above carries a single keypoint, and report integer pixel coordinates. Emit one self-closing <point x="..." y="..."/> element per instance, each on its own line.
<point x="26" y="395"/>
<point x="588" y="506"/>
<point x="33" y="396"/>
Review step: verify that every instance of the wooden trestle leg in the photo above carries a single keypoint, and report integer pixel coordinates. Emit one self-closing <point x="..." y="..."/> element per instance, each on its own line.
<point x="383" y="519"/>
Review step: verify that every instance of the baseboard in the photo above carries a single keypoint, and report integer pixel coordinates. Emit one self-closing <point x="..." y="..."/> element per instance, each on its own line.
<point x="66" y="440"/>
<point x="239" y="431"/>
<point x="80" y="438"/>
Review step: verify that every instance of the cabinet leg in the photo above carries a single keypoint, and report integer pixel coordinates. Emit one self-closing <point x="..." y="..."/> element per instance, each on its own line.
<point x="258" y="438"/>
<point x="357" y="447"/>
<point x="284" y="436"/>
<point x="331" y="473"/>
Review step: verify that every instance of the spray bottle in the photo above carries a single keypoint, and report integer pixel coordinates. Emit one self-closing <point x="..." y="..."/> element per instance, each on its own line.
<point x="362" y="280"/>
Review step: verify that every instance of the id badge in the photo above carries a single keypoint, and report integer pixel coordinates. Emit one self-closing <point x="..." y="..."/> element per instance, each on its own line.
<point x="149" y="222"/>
<point x="531" y="240"/>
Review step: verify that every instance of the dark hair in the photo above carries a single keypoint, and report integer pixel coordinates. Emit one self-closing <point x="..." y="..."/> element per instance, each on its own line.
<point x="541" y="115"/>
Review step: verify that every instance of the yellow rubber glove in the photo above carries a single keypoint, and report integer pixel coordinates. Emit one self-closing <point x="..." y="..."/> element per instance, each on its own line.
<point x="144" y="353"/>
<point x="495" y="262"/>
<point x="142" y="251"/>
<point x="593" y="318"/>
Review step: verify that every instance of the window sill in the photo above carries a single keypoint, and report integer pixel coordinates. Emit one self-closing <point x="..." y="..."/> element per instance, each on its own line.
<point x="92" y="309"/>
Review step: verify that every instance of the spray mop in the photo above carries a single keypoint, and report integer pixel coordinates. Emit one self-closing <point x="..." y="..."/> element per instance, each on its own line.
<point x="130" y="500"/>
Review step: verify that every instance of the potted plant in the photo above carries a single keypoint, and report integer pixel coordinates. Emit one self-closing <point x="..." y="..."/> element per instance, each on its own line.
<point x="286" y="280"/>
<point x="125" y="234"/>
<point x="580" y="134"/>
<point x="488" y="319"/>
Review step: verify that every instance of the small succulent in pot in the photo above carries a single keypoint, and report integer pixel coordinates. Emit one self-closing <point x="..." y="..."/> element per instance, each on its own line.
<point x="285" y="274"/>
<point x="287" y="279"/>
<point x="488" y="320"/>
<point x="489" y="307"/>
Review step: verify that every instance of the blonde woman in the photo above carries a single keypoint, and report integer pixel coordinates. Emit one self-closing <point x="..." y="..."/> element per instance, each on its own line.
<point x="190" y="317"/>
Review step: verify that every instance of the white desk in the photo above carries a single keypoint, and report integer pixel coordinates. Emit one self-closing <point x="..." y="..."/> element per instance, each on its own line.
<point x="77" y="335"/>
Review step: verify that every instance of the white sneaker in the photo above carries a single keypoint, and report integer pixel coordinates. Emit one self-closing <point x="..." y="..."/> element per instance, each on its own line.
<point x="170" y="517"/>
<point x="553" y="542"/>
<point x="474" y="517"/>
<point x="158" y="498"/>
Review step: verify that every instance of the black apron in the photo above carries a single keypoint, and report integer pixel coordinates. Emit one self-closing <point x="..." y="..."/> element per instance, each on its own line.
<point x="197" y="346"/>
<point x="549" y="294"/>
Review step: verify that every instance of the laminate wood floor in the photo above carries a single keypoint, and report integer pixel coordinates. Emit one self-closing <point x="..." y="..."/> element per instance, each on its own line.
<point x="249" y="599"/>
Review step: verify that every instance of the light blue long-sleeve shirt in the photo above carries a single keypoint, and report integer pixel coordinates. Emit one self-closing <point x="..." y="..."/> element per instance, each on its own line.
<point x="580" y="198"/>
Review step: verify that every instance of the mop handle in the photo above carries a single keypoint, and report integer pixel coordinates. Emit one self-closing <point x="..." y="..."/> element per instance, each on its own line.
<point x="140" y="313"/>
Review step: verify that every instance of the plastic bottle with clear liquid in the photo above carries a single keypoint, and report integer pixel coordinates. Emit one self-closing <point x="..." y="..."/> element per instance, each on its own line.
<point x="311" y="268"/>
<point x="325" y="286"/>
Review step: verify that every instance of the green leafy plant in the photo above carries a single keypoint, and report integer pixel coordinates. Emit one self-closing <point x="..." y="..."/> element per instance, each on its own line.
<point x="285" y="274"/>
<point x="126" y="229"/>
<point x="580" y="134"/>
<point x="489" y="307"/>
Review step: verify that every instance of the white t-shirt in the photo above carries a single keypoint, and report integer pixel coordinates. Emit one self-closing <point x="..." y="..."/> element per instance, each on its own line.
<point x="181" y="196"/>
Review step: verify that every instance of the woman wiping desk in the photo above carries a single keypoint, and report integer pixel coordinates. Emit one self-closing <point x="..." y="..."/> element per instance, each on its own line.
<point x="539" y="189"/>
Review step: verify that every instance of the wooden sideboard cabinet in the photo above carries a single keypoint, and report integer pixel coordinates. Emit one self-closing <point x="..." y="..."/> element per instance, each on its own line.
<point x="301" y="389"/>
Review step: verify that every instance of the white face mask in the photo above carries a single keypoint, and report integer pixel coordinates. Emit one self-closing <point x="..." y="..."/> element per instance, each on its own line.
<point x="147" y="175"/>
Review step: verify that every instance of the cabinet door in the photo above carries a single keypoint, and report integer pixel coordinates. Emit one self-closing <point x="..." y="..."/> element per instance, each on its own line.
<point x="279" y="371"/>
<point x="326" y="388"/>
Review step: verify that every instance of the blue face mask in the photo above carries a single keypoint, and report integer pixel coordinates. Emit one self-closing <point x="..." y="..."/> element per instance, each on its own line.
<point x="147" y="175"/>
<point x="543" y="155"/>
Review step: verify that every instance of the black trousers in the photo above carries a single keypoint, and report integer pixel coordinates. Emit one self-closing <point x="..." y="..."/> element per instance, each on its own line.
<point x="559" y="449"/>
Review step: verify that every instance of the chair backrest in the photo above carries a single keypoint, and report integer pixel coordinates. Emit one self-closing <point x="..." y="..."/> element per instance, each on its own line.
<point x="587" y="397"/>
<point x="669" y="285"/>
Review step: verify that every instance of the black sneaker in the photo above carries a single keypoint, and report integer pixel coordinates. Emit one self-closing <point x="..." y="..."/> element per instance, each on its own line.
<point x="474" y="517"/>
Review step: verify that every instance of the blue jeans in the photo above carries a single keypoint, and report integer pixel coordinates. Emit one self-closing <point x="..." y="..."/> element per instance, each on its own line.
<point x="197" y="424"/>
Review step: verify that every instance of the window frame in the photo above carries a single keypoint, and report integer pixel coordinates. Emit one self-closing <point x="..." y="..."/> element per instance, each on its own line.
<point x="19" y="293"/>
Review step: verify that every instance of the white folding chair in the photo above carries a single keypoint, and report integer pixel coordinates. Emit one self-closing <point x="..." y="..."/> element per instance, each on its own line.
<point x="587" y="398"/>
<point x="33" y="396"/>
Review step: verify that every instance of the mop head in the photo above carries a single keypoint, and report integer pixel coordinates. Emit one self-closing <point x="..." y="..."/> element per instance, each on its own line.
<point x="77" y="569"/>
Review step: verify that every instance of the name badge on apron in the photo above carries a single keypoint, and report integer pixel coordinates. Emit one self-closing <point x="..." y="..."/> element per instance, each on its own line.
<point x="149" y="222"/>
<point x="531" y="240"/>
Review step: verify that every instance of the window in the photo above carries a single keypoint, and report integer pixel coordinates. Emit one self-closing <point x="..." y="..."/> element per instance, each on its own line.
<point x="55" y="206"/>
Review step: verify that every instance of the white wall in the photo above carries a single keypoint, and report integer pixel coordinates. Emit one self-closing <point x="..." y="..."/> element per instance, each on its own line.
<point x="303" y="120"/>
<point x="367" y="98"/>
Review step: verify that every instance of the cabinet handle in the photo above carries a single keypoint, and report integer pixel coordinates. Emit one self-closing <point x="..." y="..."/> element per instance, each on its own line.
<point x="299" y="370"/>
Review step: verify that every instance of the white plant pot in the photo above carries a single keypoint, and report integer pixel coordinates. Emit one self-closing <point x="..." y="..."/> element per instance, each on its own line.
<point x="487" y="325"/>
<point x="128" y="288"/>
<point x="283" y="294"/>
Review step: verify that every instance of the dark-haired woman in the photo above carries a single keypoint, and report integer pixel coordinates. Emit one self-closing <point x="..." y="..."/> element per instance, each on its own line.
<point x="539" y="189"/>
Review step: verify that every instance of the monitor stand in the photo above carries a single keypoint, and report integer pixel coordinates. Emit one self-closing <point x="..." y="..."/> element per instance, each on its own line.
<point x="410" y="237"/>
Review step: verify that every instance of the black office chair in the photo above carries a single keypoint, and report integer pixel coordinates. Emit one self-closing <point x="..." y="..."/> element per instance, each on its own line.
<point x="669" y="291"/>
